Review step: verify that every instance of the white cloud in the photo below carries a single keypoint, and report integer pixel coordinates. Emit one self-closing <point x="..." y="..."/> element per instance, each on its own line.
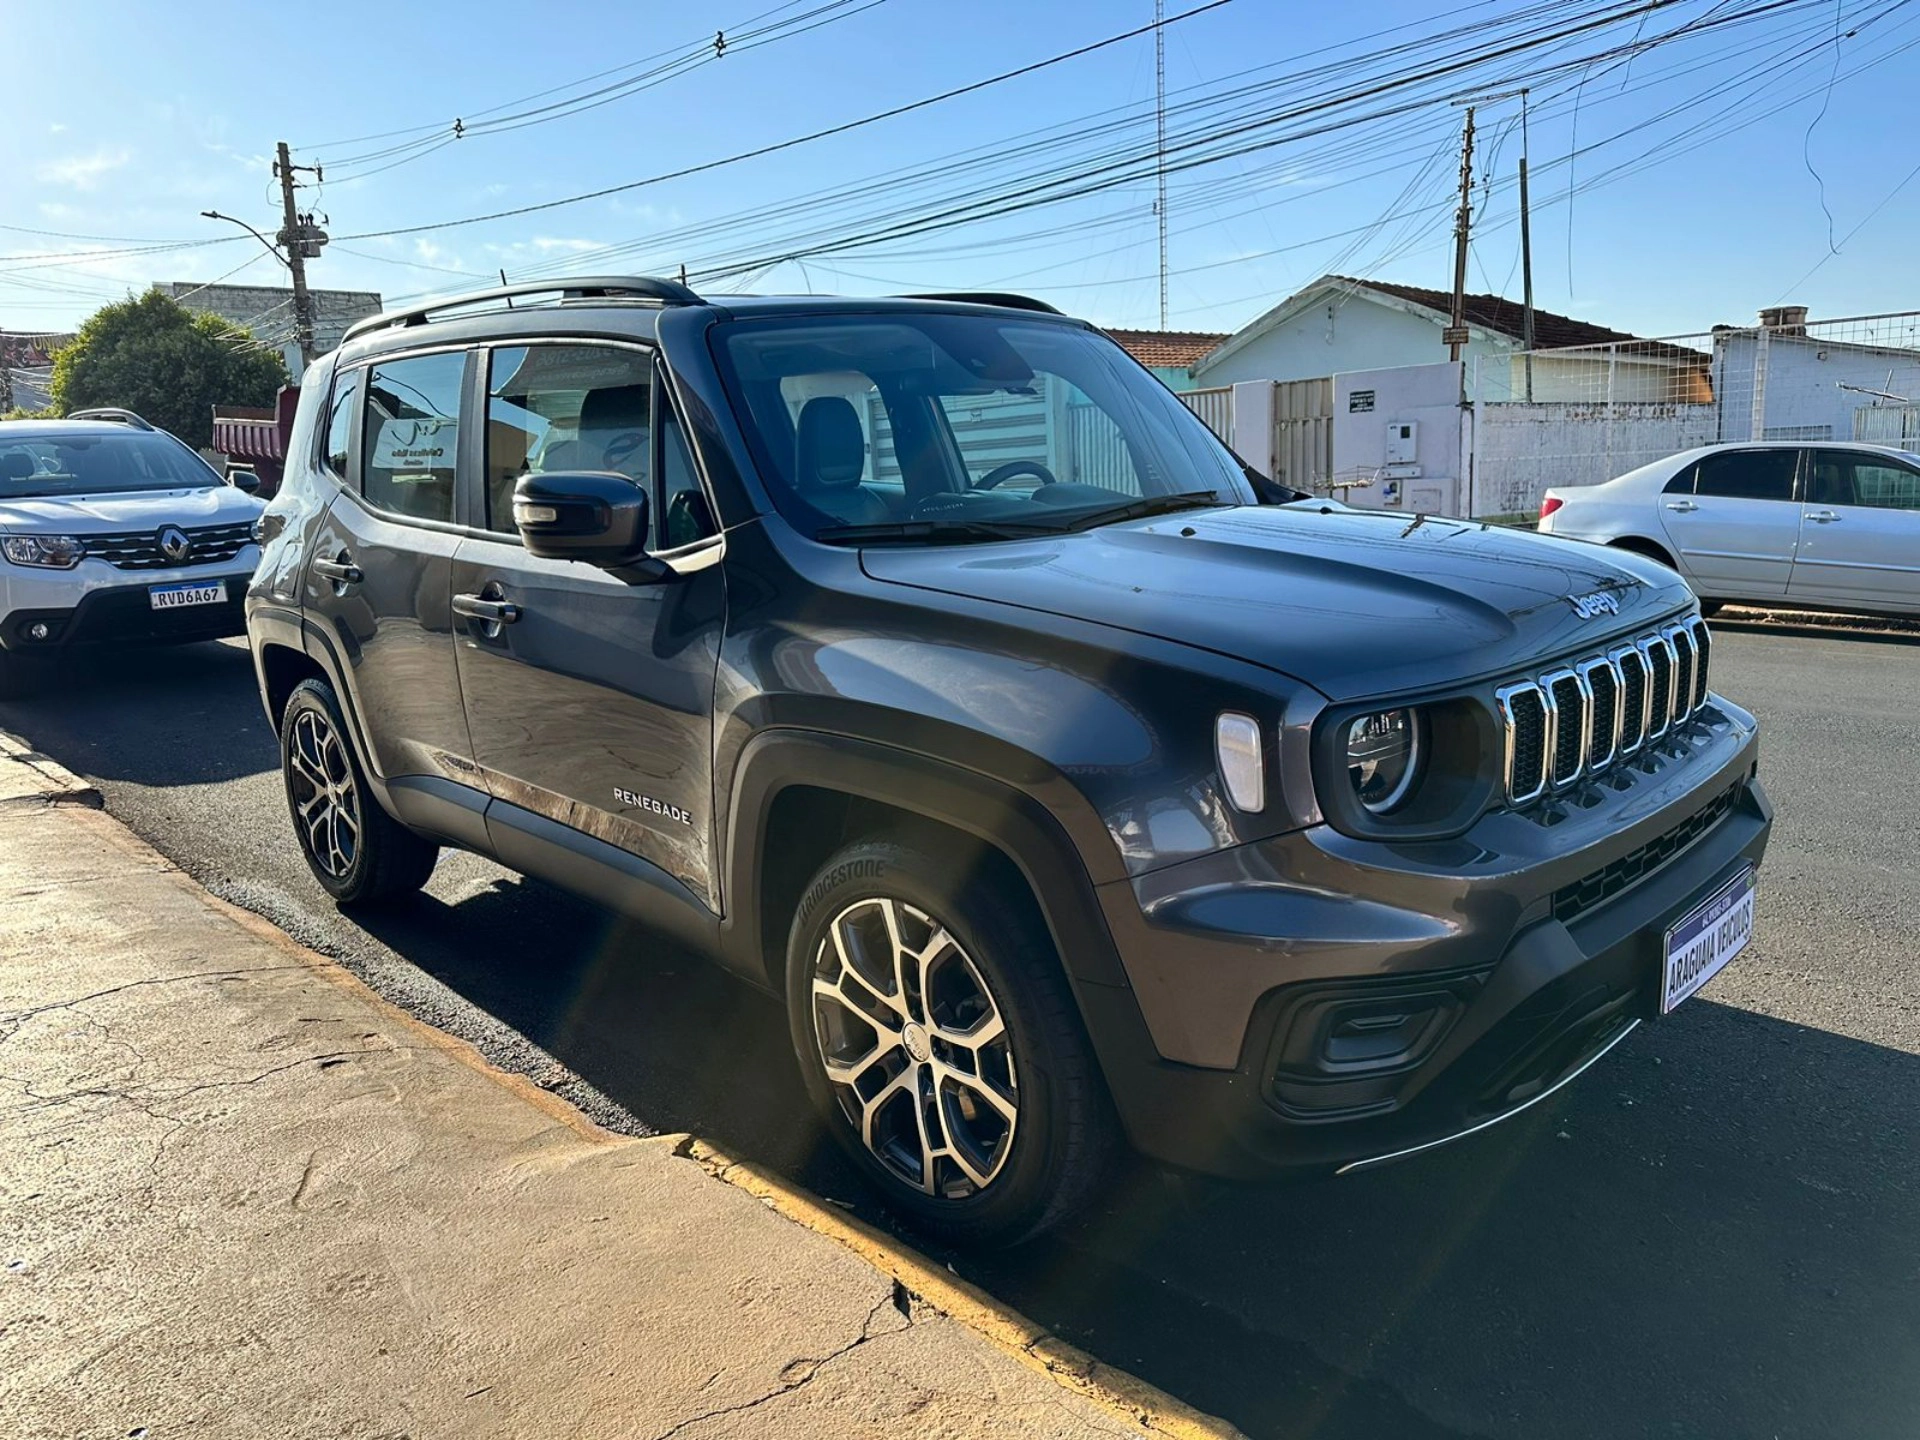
<point x="56" y="128"/>
<point x="83" y="172"/>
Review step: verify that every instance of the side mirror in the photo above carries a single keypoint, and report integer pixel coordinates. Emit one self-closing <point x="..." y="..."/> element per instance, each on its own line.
<point x="587" y="515"/>
<point x="245" y="481"/>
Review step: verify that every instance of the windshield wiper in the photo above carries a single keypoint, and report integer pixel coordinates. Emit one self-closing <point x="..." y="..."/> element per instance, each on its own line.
<point x="957" y="531"/>
<point x="1151" y="505"/>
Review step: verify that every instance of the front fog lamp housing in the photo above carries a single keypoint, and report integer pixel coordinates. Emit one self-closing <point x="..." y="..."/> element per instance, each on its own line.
<point x="1242" y="761"/>
<point x="1383" y="756"/>
<point x="47" y="552"/>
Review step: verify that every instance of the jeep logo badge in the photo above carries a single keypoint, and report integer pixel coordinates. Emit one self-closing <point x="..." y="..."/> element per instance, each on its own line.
<point x="1598" y="603"/>
<point x="174" y="543"/>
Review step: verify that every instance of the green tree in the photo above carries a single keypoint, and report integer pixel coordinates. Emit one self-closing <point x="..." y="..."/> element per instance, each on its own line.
<point x="168" y="364"/>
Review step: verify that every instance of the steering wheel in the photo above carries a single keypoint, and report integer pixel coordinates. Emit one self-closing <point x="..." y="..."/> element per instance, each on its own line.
<point x="993" y="477"/>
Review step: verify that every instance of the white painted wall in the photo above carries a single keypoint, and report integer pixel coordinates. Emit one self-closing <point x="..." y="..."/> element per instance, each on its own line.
<point x="1429" y="396"/>
<point x="1804" y="376"/>
<point x="1519" y="450"/>
<point x="1357" y="333"/>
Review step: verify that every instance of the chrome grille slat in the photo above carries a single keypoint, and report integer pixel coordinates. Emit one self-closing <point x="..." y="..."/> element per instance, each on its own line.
<point x="1603" y="692"/>
<point x="1577" y="719"/>
<point x="140" y="549"/>
<point x="1660" y="667"/>
<point x="1680" y="637"/>
<point x="1632" y="666"/>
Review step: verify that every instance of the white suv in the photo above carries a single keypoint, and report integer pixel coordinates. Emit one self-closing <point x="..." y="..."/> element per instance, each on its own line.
<point x="113" y="532"/>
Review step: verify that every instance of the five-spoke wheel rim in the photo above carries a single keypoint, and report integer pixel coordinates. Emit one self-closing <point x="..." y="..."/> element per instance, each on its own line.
<point x="915" y="1048"/>
<point x="326" y="802"/>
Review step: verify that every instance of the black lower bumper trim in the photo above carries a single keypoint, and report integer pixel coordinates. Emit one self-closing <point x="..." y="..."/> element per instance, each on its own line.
<point x="125" y="616"/>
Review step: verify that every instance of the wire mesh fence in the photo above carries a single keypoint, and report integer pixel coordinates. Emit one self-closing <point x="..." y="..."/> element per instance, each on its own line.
<point x="1580" y="416"/>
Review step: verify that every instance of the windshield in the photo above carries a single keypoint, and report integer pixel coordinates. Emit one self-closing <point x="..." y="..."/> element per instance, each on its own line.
<point x="95" y="463"/>
<point x="930" y="427"/>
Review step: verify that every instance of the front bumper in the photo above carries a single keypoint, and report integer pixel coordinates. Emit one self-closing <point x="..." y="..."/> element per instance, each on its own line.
<point x="124" y="615"/>
<point x="1316" y="1001"/>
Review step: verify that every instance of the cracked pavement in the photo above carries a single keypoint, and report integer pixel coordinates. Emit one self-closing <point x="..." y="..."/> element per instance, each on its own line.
<point x="240" y="1195"/>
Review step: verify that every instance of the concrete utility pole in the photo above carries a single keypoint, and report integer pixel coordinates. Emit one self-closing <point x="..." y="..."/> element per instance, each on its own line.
<point x="293" y="241"/>
<point x="1456" y="333"/>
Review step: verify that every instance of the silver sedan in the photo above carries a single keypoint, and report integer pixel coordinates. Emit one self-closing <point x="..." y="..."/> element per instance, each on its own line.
<point x="1823" y="525"/>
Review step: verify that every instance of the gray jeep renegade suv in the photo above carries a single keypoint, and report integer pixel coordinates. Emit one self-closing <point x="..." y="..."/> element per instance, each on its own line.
<point x="927" y="663"/>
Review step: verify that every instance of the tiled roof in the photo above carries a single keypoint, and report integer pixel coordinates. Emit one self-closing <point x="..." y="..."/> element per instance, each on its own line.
<point x="1166" y="347"/>
<point x="1506" y="317"/>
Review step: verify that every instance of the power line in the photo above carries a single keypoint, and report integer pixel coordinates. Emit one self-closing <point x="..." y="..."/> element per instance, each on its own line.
<point x="798" y="140"/>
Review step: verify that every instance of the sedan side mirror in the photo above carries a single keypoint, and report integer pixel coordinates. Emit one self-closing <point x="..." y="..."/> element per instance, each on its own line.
<point x="244" y="481"/>
<point x="593" y="516"/>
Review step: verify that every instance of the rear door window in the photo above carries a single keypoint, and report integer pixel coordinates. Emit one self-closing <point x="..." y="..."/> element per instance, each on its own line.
<point x="412" y="438"/>
<point x="339" y="432"/>
<point x="1747" y="475"/>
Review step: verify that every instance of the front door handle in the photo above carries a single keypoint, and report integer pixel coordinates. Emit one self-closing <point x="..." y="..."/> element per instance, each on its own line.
<point x="1822" y="517"/>
<point x="1682" y="507"/>
<point x="492" y="612"/>
<point x="341" y="571"/>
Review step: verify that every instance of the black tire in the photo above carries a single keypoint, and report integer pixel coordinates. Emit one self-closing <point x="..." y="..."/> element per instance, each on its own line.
<point x="362" y="856"/>
<point x="1711" y="608"/>
<point x="1051" y="1156"/>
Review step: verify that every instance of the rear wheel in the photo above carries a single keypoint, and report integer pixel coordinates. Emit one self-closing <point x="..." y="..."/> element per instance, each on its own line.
<point x="937" y="1036"/>
<point x="360" y="854"/>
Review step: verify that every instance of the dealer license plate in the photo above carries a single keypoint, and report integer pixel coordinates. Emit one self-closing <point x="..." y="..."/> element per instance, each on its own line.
<point x="1710" y="935"/>
<point x="192" y="592"/>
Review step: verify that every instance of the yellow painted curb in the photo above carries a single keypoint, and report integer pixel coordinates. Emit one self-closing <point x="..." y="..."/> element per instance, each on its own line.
<point x="1146" y="1407"/>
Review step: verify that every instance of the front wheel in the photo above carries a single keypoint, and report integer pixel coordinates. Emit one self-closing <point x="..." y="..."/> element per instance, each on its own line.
<point x="360" y="854"/>
<point x="937" y="1036"/>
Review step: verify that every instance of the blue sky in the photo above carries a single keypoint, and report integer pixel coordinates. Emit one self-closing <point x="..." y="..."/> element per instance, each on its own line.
<point x="1710" y="206"/>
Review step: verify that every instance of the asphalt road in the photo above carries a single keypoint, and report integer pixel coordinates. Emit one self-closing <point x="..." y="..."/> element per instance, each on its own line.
<point x="1715" y="1233"/>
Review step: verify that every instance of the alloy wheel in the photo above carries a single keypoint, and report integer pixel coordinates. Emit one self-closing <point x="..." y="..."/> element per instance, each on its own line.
<point x="915" y="1048"/>
<point x="326" y="801"/>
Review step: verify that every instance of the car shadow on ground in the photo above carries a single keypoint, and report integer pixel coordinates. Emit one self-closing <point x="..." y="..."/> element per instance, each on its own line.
<point x="179" y="690"/>
<point x="1696" y="1238"/>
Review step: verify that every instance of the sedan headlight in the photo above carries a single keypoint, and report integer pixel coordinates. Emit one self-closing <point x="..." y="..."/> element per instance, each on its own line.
<point x="1384" y="754"/>
<point x="49" y="552"/>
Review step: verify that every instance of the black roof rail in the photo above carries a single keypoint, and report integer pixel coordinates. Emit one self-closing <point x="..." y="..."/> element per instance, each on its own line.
<point x="990" y="297"/>
<point x="113" y="414"/>
<point x="583" y="287"/>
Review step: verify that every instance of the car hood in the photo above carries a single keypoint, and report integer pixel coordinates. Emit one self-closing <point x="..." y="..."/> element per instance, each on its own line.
<point x="128" y="510"/>
<point x="1356" y="603"/>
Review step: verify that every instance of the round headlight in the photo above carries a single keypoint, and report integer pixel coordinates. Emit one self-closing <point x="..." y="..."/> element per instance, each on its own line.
<point x="1383" y="758"/>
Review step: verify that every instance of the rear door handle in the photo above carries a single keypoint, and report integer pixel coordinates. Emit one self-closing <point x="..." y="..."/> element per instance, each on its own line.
<point x="1682" y="507"/>
<point x="340" y="571"/>
<point x="1822" y="517"/>
<point x="493" y="612"/>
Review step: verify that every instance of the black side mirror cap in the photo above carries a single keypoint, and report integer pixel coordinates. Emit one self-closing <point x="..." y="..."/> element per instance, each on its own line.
<point x="594" y="516"/>
<point x="245" y="481"/>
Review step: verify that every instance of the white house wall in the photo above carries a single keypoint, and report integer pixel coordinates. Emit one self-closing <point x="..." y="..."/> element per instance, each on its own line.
<point x="1357" y="334"/>
<point x="1367" y="402"/>
<point x="1804" y="376"/>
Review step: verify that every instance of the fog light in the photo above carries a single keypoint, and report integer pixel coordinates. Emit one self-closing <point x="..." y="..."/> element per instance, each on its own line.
<point x="38" y="630"/>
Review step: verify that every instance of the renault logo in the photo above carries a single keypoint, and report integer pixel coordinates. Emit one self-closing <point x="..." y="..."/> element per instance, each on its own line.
<point x="174" y="543"/>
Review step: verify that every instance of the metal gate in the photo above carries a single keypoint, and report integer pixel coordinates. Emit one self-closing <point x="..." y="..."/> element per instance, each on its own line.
<point x="1303" y="433"/>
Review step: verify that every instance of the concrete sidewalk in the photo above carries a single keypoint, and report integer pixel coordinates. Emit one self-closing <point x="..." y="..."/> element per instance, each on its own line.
<point x="242" y="1196"/>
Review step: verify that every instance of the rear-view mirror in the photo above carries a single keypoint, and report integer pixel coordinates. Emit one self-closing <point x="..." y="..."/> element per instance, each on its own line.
<point x="593" y="516"/>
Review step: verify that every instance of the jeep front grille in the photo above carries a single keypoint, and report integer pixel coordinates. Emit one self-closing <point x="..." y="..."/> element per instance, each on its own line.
<point x="1577" y="719"/>
<point x="140" y="549"/>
